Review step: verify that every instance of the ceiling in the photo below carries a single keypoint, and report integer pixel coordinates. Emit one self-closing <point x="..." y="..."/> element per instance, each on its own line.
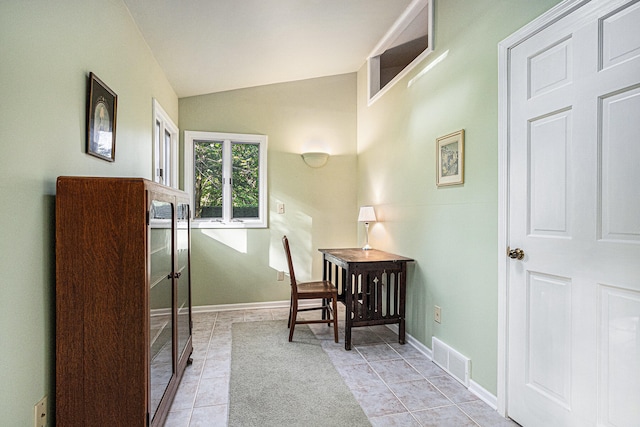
<point x="207" y="46"/>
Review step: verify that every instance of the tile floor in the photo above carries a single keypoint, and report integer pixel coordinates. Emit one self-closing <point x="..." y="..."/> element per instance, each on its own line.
<point x="396" y="385"/>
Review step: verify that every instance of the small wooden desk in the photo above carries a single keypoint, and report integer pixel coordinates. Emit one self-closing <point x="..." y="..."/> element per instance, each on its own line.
<point x="371" y="284"/>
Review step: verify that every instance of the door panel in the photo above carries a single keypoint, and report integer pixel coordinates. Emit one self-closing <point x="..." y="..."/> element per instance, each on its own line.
<point x="551" y="68"/>
<point x="620" y="159"/>
<point x="548" y="353"/>
<point x="161" y="361"/>
<point x="574" y="208"/>
<point x="620" y="38"/>
<point x="549" y="142"/>
<point x="183" y="244"/>
<point x="619" y="356"/>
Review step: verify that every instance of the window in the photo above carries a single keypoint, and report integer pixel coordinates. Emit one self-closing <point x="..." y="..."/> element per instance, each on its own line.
<point x="225" y="174"/>
<point x="165" y="148"/>
<point x="408" y="41"/>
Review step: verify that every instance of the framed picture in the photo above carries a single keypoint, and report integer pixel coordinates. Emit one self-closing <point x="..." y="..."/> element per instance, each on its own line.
<point x="450" y="159"/>
<point x="101" y="120"/>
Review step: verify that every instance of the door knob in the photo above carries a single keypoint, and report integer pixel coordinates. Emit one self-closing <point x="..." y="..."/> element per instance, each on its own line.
<point x="516" y="253"/>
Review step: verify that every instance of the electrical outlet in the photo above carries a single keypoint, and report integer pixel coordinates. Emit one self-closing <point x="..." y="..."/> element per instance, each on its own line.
<point x="40" y="415"/>
<point x="280" y="276"/>
<point x="437" y="314"/>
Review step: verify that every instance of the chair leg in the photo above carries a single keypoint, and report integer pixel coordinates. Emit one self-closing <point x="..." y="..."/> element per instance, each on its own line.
<point x="290" y="310"/>
<point x="294" y="312"/>
<point x="335" y="319"/>
<point x="326" y="312"/>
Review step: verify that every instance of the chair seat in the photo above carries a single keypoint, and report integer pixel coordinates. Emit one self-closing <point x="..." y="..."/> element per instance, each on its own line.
<point x="320" y="289"/>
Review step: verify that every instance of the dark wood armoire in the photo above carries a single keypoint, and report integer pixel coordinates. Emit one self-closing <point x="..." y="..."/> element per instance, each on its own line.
<point x="123" y="300"/>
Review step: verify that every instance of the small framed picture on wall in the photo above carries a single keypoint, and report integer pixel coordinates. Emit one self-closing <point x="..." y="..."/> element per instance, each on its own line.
<point x="450" y="159"/>
<point x="101" y="120"/>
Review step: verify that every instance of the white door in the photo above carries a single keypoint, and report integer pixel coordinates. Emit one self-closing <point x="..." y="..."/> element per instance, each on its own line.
<point x="573" y="338"/>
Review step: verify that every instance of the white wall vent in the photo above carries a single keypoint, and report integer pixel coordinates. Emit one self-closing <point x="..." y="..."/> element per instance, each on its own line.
<point x="457" y="365"/>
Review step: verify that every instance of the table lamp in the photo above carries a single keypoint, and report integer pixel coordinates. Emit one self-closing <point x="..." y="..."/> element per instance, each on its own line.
<point x="367" y="215"/>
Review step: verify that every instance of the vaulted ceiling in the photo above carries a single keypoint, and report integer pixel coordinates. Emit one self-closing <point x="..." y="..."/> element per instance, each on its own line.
<point x="207" y="46"/>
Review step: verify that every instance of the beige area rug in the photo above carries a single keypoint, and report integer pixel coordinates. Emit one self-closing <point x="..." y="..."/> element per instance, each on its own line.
<point x="275" y="382"/>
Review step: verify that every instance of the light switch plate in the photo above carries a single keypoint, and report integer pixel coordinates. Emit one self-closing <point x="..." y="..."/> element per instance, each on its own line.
<point x="437" y="314"/>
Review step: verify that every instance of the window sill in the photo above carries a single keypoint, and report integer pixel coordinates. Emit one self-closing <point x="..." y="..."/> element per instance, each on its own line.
<point x="227" y="225"/>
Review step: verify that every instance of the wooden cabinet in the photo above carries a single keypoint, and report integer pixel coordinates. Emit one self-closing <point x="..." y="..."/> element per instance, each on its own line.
<point x="123" y="300"/>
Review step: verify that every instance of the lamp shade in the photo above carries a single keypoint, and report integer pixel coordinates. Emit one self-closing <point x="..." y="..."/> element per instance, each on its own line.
<point x="367" y="214"/>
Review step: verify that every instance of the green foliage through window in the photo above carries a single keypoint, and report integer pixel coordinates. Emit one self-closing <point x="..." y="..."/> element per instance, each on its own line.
<point x="209" y="180"/>
<point x="245" y="180"/>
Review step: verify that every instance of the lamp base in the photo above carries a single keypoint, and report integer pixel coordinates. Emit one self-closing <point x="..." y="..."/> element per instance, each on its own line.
<point x="366" y="246"/>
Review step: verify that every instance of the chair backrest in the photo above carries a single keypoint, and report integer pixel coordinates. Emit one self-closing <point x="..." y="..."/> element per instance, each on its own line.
<point x="287" y="251"/>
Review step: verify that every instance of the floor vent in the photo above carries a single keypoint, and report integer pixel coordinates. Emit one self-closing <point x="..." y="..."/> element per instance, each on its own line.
<point x="451" y="361"/>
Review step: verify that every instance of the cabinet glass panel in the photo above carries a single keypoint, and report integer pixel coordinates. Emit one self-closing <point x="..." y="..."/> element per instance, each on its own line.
<point x="160" y="299"/>
<point x="184" y="315"/>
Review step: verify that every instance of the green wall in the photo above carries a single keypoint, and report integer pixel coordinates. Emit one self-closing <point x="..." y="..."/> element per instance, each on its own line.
<point x="239" y="266"/>
<point x="47" y="51"/>
<point x="450" y="231"/>
<point x="383" y="155"/>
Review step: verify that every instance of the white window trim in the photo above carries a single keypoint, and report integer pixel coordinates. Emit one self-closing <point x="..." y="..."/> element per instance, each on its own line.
<point x="373" y="60"/>
<point x="189" y="138"/>
<point x="166" y="124"/>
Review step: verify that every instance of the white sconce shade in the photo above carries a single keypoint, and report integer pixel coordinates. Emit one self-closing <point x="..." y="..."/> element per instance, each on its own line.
<point x="315" y="159"/>
<point x="367" y="215"/>
<point x="315" y="152"/>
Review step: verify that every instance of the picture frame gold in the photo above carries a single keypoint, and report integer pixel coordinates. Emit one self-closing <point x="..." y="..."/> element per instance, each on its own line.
<point x="450" y="159"/>
<point x="101" y="120"/>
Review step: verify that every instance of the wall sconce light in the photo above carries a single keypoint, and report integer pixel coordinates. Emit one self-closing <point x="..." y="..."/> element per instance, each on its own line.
<point x="315" y="152"/>
<point x="315" y="159"/>
<point x="367" y="215"/>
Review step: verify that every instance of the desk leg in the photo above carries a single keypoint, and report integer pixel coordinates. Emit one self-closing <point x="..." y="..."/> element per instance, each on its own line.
<point x="325" y="301"/>
<point x="348" y="319"/>
<point x="403" y="299"/>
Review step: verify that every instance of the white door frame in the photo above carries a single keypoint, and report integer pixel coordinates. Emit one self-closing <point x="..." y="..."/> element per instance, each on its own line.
<point x="504" y="55"/>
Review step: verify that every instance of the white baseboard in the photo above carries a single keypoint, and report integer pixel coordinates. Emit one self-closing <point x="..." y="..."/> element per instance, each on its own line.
<point x="474" y="387"/>
<point x="483" y="394"/>
<point x="160" y="312"/>
<point x="250" y="306"/>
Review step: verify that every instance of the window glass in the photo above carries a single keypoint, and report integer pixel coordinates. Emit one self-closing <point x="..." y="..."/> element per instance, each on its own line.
<point x="208" y="179"/>
<point x="165" y="148"/>
<point x="166" y="160"/>
<point x="246" y="180"/>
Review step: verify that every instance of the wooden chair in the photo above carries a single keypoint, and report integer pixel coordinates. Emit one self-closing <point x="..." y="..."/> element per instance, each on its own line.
<point x="311" y="290"/>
